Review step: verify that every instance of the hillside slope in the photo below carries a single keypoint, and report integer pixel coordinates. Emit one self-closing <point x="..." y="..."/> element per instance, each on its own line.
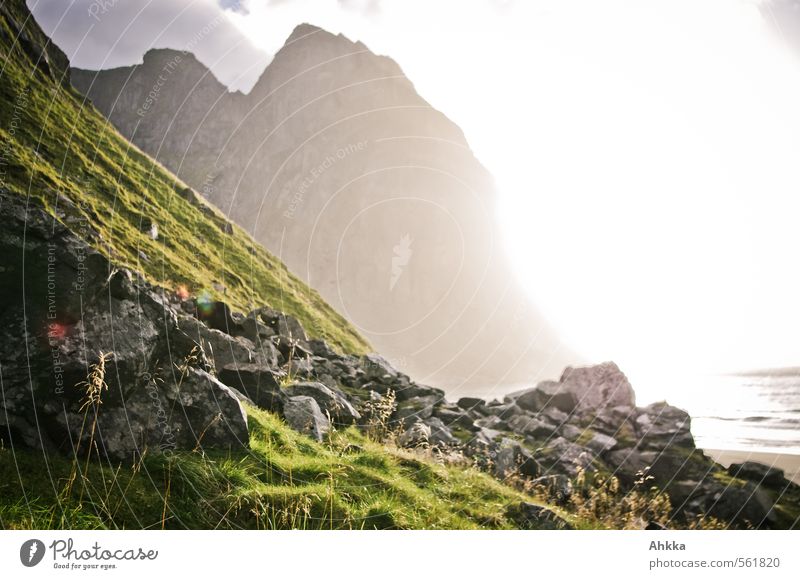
<point x="60" y="152"/>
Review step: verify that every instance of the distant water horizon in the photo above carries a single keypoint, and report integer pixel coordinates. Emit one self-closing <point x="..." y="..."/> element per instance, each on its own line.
<point x="755" y="412"/>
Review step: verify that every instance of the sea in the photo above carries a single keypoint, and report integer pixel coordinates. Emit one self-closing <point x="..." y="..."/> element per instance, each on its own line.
<point x="749" y="412"/>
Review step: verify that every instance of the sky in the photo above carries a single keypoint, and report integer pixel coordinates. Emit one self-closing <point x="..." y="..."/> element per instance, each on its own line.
<point x="645" y="151"/>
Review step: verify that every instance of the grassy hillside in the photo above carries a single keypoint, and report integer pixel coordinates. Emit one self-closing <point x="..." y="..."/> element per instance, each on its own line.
<point x="62" y="151"/>
<point x="286" y="481"/>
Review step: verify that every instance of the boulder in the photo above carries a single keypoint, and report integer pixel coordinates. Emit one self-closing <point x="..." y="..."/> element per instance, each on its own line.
<point x="477" y="404"/>
<point x="769" y="476"/>
<point x="409" y="411"/>
<point x="660" y="425"/>
<point x="564" y="457"/>
<point x="440" y="434"/>
<point x="545" y="395"/>
<point x="417" y="435"/>
<point x="281" y="324"/>
<point x="303" y="414"/>
<point x="530" y="426"/>
<point x="556" y="486"/>
<point x="511" y="458"/>
<point x="743" y="507"/>
<point x="596" y="387"/>
<point x="454" y="419"/>
<point x="259" y="384"/>
<point x="600" y="443"/>
<point x="191" y="411"/>
<point x="331" y="402"/>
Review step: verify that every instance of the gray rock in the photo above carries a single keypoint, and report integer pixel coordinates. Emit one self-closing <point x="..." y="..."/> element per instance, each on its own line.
<point x="564" y="457"/>
<point x="330" y="401"/>
<point x="545" y="395"/>
<point x="512" y="458"/>
<point x="195" y="411"/>
<point x="530" y="426"/>
<point x="570" y="432"/>
<point x="281" y="324"/>
<point x="768" y="476"/>
<point x="660" y="426"/>
<point x="504" y="411"/>
<point x="600" y="443"/>
<point x="417" y="435"/>
<point x="629" y="462"/>
<point x="747" y="506"/>
<point x="409" y="411"/>
<point x="595" y="387"/>
<point x="554" y="415"/>
<point x="557" y="486"/>
<point x="455" y="419"/>
<point x="376" y="367"/>
<point x="303" y="414"/>
<point x="440" y="434"/>
<point x="468" y="403"/>
<point x="259" y="384"/>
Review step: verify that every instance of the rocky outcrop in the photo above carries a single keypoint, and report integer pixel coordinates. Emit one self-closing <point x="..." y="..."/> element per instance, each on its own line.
<point x="175" y="376"/>
<point x="337" y="165"/>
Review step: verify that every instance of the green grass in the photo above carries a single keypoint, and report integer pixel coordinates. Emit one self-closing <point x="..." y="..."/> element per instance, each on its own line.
<point x="286" y="480"/>
<point x="61" y="153"/>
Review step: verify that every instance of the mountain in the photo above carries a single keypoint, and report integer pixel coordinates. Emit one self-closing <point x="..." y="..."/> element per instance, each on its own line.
<point x="371" y="196"/>
<point x="133" y="394"/>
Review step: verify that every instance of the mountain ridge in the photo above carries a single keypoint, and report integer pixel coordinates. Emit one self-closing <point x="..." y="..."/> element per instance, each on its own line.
<point x="406" y="170"/>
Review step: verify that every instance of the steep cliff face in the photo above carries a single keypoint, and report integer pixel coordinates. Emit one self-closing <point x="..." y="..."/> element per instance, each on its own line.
<point x="337" y="165"/>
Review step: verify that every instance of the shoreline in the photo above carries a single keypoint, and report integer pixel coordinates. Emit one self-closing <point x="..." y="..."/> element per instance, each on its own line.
<point x="789" y="463"/>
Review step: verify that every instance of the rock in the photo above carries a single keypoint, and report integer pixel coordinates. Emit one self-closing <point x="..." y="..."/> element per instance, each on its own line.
<point x="557" y="486"/>
<point x="545" y="395"/>
<point x="769" y="476"/>
<point x="417" y="435"/>
<point x="280" y="323"/>
<point x="439" y="433"/>
<point x="600" y="443"/>
<point x="409" y="411"/>
<point x="564" y="457"/>
<point x="376" y="367"/>
<point x="553" y="415"/>
<point x="628" y="463"/>
<point x="535" y="517"/>
<point x="596" y="387"/>
<point x="259" y="384"/>
<point x="330" y="401"/>
<point x="504" y="411"/>
<point x="511" y="458"/>
<point x="468" y="403"/>
<point x="570" y="432"/>
<point x="492" y="422"/>
<point x="193" y="411"/>
<point x="223" y="349"/>
<point x="531" y="426"/>
<point x="455" y="419"/>
<point x="303" y="414"/>
<point x="660" y="426"/>
<point x="744" y="507"/>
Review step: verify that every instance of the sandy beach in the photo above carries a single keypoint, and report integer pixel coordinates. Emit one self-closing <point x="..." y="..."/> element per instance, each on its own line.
<point x="790" y="463"/>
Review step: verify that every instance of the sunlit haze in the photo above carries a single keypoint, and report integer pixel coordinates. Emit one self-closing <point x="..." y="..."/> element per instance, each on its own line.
<point x="645" y="155"/>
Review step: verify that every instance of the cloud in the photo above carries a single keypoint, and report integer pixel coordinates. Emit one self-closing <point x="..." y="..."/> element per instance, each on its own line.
<point x="99" y="34"/>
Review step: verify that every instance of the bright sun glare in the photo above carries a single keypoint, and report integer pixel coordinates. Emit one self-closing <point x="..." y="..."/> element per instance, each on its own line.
<point x="652" y="213"/>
